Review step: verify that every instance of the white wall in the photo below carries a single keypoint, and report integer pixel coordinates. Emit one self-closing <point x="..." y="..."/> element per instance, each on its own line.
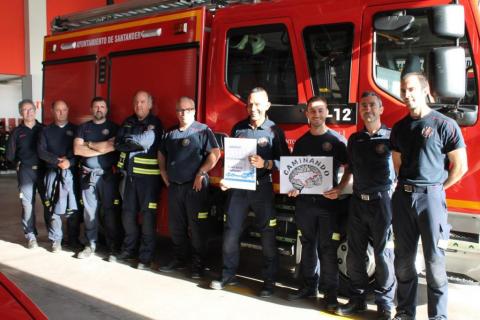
<point x="35" y="30"/>
<point x="10" y="95"/>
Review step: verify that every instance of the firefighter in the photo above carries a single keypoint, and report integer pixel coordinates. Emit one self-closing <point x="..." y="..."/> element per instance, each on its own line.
<point x="429" y="156"/>
<point x="370" y="214"/>
<point x="22" y="150"/>
<point x="137" y="140"/>
<point x="56" y="149"/>
<point x="188" y="151"/>
<point x="94" y="143"/>
<point x="315" y="214"/>
<point x="271" y="145"/>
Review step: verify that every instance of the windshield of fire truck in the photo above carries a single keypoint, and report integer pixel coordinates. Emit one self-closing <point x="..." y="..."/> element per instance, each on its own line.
<point x="399" y="52"/>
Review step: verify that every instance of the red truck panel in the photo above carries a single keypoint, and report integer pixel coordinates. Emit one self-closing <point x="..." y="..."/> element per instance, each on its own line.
<point x="15" y="305"/>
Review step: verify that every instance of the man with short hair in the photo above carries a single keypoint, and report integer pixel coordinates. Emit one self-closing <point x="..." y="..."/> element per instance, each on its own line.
<point x="22" y="150"/>
<point x="56" y="149"/>
<point x="94" y="143"/>
<point x="137" y="140"/>
<point x="271" y="145"/>
<point x="315" y="215"/>
<point x="429" y="156"/>
<point x="188" y="151"/>
<point x="370" y="214"/>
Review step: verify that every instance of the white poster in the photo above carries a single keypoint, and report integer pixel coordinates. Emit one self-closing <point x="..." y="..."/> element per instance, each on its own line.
<point x="308" y="175"/>
<point x="238" y="172"/>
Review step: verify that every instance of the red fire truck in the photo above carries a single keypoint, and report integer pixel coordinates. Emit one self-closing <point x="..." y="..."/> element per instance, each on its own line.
<point x="216" y="51"/>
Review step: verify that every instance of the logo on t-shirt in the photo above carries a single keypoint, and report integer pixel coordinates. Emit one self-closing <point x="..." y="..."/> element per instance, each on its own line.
<point x="327" y="146"/>
<point x="427" y="132"/>
<point x="262" y="142"/>
<point x="105" y="132"/>
<point x="185" y="142"/>
<point x="69" y="133"/>
<point x="381" y="148"/>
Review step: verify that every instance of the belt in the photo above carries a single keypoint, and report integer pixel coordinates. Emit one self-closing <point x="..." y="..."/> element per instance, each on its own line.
<point x="368" y="196"/>
<point x="415" y="189"/>
<point x="180" y="183"/>
<point x="264" y="179"/>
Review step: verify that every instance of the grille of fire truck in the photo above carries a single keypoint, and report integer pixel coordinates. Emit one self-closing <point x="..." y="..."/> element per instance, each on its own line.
<point x="129" y="10"/>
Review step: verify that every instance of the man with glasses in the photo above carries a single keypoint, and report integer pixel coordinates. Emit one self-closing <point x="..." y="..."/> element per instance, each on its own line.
<point x="188" y="151"/>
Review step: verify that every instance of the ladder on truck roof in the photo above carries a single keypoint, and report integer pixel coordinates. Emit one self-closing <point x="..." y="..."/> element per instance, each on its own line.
<point x="129" y="10"/>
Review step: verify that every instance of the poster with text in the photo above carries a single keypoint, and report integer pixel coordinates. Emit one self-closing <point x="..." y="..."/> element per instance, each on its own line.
<point x="238" y="172"/>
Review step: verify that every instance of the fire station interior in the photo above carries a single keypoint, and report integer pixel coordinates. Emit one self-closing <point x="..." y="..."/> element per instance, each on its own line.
<point x="64" y="287"/>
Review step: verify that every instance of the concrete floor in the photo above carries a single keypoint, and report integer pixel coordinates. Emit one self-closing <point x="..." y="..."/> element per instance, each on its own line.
<point x="68" y="288"/>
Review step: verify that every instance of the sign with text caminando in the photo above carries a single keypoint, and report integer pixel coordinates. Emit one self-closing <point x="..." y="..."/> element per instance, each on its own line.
<point x="308" y="175"/>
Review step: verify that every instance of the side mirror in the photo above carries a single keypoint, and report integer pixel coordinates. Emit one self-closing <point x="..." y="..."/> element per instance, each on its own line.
<point x="447" y="72"/>
<point x="393" y="23"/>
<point x="448" y="21"/>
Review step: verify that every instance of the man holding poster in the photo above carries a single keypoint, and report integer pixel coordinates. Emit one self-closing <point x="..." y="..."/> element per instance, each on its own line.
<point x="270" y="145"/>
<point x="315" y="213"/>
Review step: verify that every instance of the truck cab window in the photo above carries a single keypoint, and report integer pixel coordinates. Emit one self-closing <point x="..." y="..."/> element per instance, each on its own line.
<point x="261" y="56"/>
<point x="329" y="53"/>
<point x="400" y="52"/>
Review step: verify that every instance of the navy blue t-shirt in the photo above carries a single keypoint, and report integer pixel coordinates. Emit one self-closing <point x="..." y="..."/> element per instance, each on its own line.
<point x="22" y="145"/>
<point x="329" y="144"/>
<point x="92" y="132"/>
<point x="424" y="144"/>
<point x="185" y="151"/>
<point x="271" y="143"/>
<point x="57" y="142"/>
<point x="370" y="161"/>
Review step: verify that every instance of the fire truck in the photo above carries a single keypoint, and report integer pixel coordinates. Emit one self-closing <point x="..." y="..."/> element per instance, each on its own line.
<point x="216" y="51"/>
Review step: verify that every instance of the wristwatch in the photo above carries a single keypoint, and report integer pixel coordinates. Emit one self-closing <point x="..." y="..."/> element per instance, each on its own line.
<point x="202" y="173"/>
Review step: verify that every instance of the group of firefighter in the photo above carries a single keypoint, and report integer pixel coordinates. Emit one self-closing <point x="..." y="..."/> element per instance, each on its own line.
<point x="114" y="173"/>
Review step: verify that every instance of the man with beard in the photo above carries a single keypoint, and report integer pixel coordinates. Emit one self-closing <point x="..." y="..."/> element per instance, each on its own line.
<point x="315" y="215"/>
<point x="94" y="143"/>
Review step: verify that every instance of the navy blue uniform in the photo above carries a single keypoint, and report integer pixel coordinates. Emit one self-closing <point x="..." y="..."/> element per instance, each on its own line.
<point x="270" y="146"/>
<point x="185" y="152"/>
<point x="99" y="185"/>
<point x="370" y="215"/>
<point x="419" y="207"/>
<point x="315" y="214"/>
<point x="57" y="142"/>
<point x="138" y="143"/>
<point x="22" y="150"/>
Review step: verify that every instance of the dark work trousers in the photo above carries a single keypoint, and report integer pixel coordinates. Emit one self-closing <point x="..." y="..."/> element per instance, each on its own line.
<point x="371" y="220"/>
<point x="188" y="208"/>
<point x="101" y="200"/>
<point x="261" y="202"/>
<point x="316" y="223"/>
<point x="30" y="179"/>
<point x="141" y="195"/>
<point x="61" y="200"/>
<point x="422" y="212"/>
